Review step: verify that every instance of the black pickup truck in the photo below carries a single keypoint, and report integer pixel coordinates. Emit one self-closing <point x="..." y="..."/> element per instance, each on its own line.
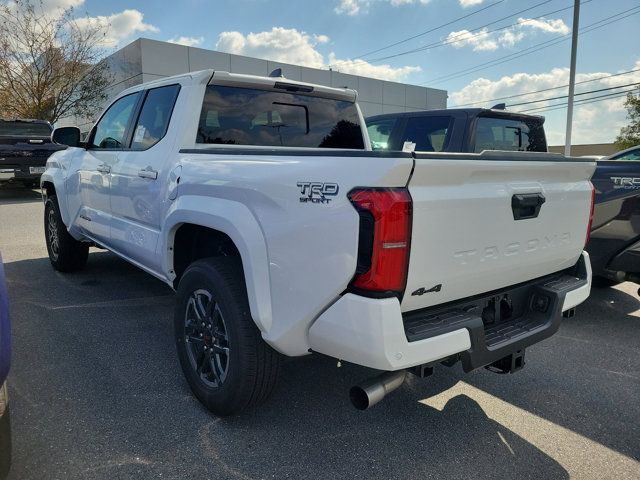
<point x="25" y="146"/>
<point x="614" y="245"/>
<point x="460" y="130"/>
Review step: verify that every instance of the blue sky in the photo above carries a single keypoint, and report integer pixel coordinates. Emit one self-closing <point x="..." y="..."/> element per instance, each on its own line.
<point x="337" y="33"/>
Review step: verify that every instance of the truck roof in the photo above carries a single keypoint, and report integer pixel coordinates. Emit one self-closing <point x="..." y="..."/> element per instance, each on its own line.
<point x="25" y="120"/>
<point x="468" y="112"/>
<point x="223" y="77"/>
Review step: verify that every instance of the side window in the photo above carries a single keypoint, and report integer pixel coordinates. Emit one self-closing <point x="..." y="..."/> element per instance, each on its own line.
<point x="430" y="134"/>
<point x="509" y="134"/>
<point x="154" y="117"/>
<point x="111" y="130"/>
<point x="379" y="133"/>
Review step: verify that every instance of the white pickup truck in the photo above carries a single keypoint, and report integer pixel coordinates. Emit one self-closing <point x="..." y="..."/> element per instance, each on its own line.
<point x="259" y="200"/>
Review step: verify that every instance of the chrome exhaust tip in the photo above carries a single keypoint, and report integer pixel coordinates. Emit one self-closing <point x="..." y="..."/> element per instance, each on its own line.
<point x="369" y="393"/>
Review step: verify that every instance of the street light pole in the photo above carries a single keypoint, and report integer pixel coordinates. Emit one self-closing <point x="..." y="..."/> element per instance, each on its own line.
<point x="572" y="75"/>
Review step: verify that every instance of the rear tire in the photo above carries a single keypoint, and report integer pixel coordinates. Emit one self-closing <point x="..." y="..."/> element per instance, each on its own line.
<point x="65" y="252"/>
<point x="226" y="362"/>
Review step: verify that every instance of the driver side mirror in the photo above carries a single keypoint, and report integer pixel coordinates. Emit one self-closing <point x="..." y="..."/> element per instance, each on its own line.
<point x="69" y="136"/>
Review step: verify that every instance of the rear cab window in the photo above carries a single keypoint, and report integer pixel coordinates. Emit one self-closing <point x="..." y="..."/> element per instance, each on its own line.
<point x="429" y="133"/>
<point x="633" y="155"/>
<point x="250" y="116"/>
<point x="510" y="134"/>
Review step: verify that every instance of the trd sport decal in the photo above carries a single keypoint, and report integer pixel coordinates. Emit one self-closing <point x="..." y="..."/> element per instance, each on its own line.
<point x="317" y="192"/>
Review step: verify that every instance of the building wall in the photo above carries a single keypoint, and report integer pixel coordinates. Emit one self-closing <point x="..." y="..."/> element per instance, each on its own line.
<point x="144" y="60"/>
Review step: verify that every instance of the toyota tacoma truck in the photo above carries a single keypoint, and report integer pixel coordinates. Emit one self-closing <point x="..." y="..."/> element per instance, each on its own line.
<point x="260" y="201"/>
<point x="614" y="245"/>
<point x="25" y="146"/>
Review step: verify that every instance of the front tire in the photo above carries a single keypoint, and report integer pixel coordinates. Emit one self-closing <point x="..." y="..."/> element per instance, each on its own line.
<point x="65" y="252"/>
<point x="226" y="362"/>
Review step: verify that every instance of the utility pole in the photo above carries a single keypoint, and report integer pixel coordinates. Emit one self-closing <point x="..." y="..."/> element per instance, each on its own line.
<point x="572" y="75"/>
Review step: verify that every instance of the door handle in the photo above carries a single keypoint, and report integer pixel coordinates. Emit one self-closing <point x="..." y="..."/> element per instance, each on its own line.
<point x="526" y="205"/>
<point x="104" y="168"/>
<point x="148" y="173"/>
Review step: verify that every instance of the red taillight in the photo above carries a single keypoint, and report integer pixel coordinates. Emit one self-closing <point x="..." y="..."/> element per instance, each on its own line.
<point x="386" y="227"/>
<point x="593" y="202"/>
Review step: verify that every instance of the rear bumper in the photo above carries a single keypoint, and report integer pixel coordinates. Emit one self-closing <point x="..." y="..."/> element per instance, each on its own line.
<point x="374" y="332"/>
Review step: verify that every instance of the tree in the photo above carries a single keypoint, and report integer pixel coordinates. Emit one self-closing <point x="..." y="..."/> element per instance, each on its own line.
<point x="50" y="66"/>
<point x="630" y="135"/>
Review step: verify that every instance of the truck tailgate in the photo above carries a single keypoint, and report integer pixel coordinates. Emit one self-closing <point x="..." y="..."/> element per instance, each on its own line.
<point x="475" y="227"/>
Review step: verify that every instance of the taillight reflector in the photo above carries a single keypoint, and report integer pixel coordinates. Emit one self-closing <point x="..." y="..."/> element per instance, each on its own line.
<point x="593" y="202"/>
<point x="391" y="232"/>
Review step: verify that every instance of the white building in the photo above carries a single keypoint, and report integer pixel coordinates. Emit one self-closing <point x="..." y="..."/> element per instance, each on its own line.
<point x="144" y="60"/>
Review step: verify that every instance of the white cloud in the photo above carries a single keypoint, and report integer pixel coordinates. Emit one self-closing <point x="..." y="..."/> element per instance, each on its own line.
<point x="484" y="39"/>
<point x="597" y="122"/>
<point x="549" y="26"/>
<point x="479" y="41"/>
<point x="280" y="44"/>
<point x="397" y="3"/>
<point x="289" y="45"/>
<point x="188" y="41"/>
<point x="348" y="7"/>
<point x="360" y="67"/>
<point x="120" y="26"/>
<point x="354" y="7"/>
<point x="469" y="3"/>
<point x="50" y="5"/>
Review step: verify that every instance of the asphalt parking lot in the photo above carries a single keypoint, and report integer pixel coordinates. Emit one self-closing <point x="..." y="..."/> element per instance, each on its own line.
<point x="96" y="392"/>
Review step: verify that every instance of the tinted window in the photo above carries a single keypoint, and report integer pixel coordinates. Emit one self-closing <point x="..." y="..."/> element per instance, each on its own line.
<point x="379" y="132"/>
<point x="243" y="116"/>
<point x="154" y="117"/>
<point x="24" y="129"/>
<point x="430" y="134"/>
<point x="633" y="155"/>
<point x="111" y="129"/>
<point x="509" y="134"/>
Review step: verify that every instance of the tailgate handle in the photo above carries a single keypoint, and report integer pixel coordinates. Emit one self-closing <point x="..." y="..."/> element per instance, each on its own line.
<point x="526" y="205"/>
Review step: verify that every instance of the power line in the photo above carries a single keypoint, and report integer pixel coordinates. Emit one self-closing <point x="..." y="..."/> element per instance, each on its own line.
<point x="567" y="96"/>
<point x="440" y="43"/>
<point x="534" y="48"/>
<point x="583" y="101"/>
<point x="457" y="38"/>
<point x="430" y="30"/>
<point x="490" y="100"/>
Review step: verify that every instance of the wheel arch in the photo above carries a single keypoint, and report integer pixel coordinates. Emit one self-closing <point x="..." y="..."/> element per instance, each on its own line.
<point x="202" y="227"/>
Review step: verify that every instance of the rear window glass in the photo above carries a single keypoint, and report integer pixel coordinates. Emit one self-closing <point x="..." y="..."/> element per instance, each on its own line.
<point x="244" y="116"/>
<point x="516" y="135"/>
<point x="633" y="155"/>
<point x="379" y="132"/>
<point x="430" y="134"/>
<point x="24" y="129"/>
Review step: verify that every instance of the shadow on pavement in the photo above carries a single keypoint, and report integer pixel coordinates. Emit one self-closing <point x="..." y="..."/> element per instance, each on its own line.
<point x="13" y="194"/>
<point x="97" y="392"/>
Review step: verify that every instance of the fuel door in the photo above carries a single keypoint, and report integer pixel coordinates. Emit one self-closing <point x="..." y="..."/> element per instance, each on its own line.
<point x="174" y="182"/>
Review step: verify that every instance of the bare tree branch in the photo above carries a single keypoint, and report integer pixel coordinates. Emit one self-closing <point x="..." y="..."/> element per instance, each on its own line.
<point x="50" y="67"/>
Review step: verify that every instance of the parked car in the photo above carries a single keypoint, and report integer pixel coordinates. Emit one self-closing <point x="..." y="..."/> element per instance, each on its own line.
<point x="5" y="360"/>
<point x="458" y="130"/>
<point x="25" y="146"/>
<point x="259" y="200"/>
<point x="615" y="237"/>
